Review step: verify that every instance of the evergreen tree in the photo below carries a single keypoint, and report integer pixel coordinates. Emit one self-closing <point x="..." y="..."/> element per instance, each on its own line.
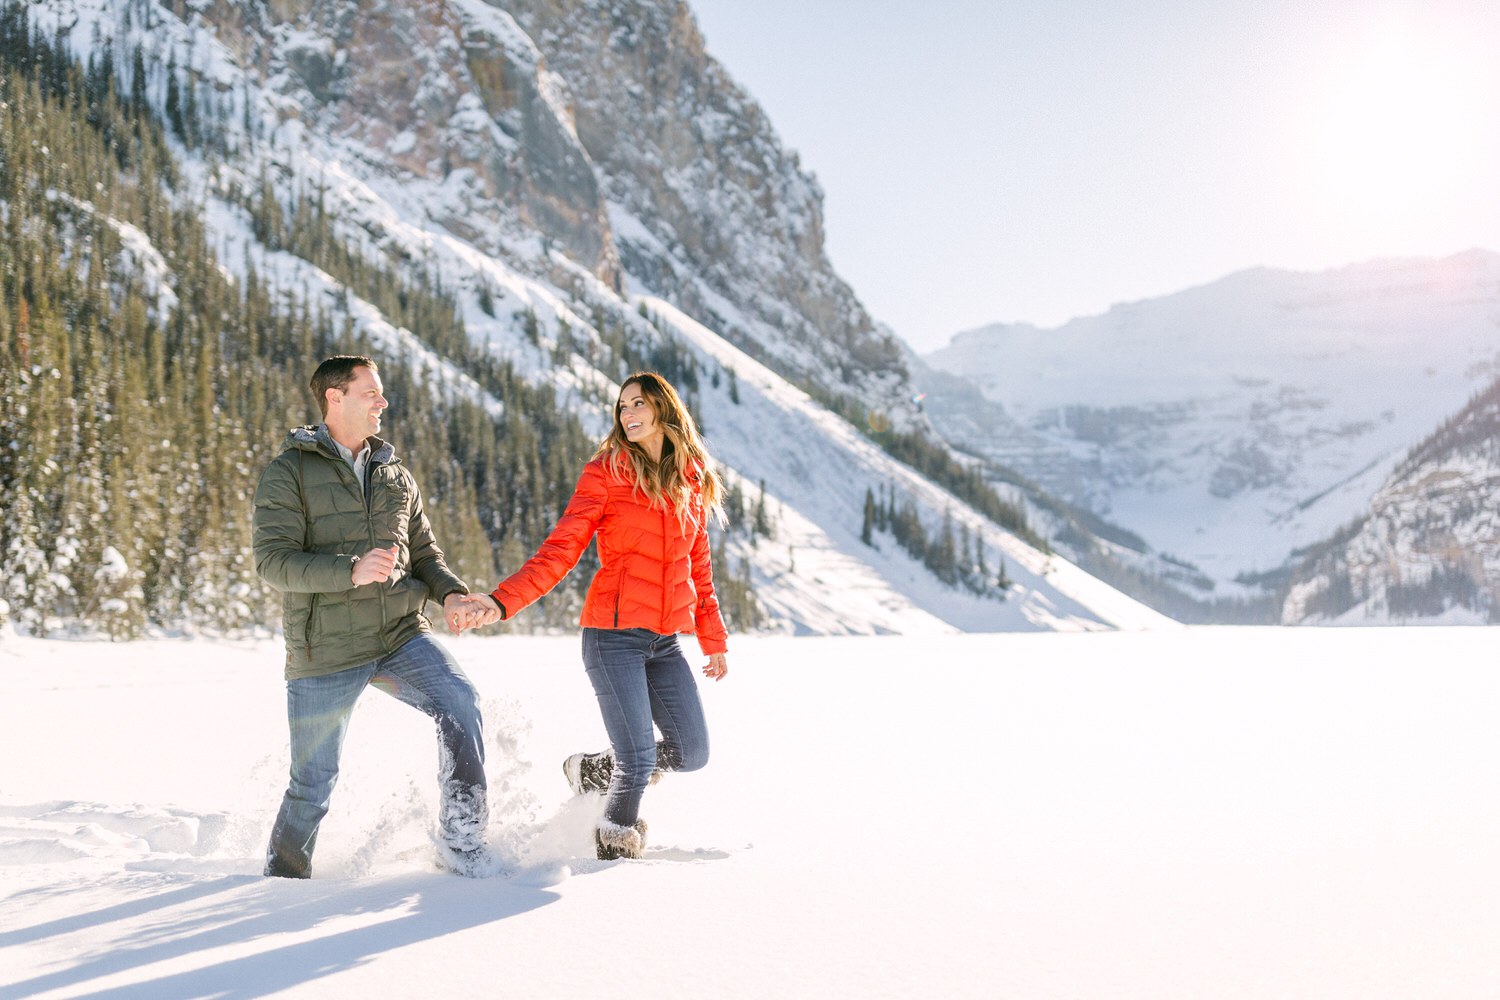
<point x="866" y="531"/>
<point x="942" y="557"/>
<point x="762" y="523"/>
<point x="140" y="103"/>
<point x="174" y="99"/>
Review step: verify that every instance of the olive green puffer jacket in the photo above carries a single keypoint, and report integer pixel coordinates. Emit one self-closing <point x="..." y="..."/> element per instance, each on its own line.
<point x="311" y="521"/>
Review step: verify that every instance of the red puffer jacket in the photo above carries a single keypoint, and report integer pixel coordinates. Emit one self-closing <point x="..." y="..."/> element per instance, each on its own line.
<point x="650" y="576"/>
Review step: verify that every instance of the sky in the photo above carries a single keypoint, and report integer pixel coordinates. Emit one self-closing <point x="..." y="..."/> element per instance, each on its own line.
<point x="986" y="161"/>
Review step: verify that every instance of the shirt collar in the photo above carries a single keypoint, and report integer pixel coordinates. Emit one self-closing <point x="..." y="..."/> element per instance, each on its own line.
<point x="348" y="455"/>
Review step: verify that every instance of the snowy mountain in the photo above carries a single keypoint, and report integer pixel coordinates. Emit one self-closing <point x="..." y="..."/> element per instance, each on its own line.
<point x="1234" y="424"/>
<point x="584" y="178"/>
<point x="1429" y="548"/>
<point x="603" y="130"/>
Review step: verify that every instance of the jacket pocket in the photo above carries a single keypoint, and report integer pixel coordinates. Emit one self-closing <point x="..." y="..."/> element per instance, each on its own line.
<point x="619" y="590"/>
<point x="395" y="499"/>
<point x="307" y="630"/>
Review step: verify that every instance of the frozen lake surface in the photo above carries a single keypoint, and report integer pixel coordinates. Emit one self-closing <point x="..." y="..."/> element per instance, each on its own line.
<point x="1206" y="812"/>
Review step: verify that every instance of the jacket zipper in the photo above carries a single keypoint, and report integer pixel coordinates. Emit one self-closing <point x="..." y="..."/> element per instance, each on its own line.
<point x="666" y="554"/>
<point x="370" y="526"/>
<point x="312" y="606"/>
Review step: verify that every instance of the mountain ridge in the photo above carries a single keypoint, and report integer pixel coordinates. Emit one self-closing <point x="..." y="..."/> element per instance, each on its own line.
<point x="281" y="146"/>
<point x="1429" y="548"/>
<point x="1237" y="422"/>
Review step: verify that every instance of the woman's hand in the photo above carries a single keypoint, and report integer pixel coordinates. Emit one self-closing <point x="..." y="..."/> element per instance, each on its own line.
<point x="487" y="609"/>
<point x="716" y="667"/>
<point x="470" y="611"/>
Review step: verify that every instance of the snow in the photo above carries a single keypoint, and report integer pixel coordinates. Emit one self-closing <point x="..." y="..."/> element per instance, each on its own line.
<point x="820" y="467"/>
<point x="819" y="577"/>
<point x="1427" y="519"/>
<point x="113" y="567"/>
<point x="1201" y="812"/>
<point x="1248" y="418"/>
<point x="149" y="264"/>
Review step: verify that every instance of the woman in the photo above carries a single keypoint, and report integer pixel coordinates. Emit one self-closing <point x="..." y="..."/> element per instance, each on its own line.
<point x="647" y="494"/>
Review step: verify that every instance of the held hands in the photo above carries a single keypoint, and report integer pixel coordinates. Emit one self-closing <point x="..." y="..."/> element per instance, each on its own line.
<point x="471" y="611"/>
<point x="716" y="667"/>
<point x="375" y="566"/>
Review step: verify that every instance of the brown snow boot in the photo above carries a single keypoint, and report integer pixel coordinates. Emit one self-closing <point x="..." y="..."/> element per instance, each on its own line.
<point x="613" y="841"/>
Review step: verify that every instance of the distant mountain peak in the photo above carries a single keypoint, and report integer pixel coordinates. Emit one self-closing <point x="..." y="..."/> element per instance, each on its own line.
<point x="1238" y="421"/>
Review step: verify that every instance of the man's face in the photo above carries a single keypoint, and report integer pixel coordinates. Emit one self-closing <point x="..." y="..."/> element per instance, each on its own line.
<point x="356" y="411"/>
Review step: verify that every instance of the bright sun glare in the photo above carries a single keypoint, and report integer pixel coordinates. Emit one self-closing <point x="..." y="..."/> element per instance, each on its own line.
<point x="1401" y="128"/>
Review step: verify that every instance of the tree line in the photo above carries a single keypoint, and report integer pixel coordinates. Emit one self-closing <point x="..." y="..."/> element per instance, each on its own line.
<point x="955" y="557"/>
<point x="144" y="388"/>
<point x="142" y="397"/>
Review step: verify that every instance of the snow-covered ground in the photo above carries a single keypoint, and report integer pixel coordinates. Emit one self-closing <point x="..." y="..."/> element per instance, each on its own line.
<point x="1182" y="813"/>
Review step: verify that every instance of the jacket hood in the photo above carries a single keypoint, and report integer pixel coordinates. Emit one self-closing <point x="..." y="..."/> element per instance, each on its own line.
<point x="315" y="437"/>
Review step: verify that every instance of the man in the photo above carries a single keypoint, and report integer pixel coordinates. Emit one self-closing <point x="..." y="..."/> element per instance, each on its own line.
<point x="340" y="531"/>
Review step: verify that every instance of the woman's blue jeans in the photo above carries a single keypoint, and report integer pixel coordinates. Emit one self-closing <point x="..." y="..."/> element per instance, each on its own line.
<point x="641" y="677"/>
<point x="421" y="674"/>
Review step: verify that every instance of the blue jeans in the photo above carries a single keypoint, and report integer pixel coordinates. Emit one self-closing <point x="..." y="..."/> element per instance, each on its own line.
<point x="421" y="674"/>
<point x="641" y="677"/>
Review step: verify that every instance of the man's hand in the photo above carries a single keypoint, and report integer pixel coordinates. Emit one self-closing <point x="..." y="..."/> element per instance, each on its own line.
<point x="471" y="611"/>
<point x="458" y="610"/>
<point x="375" y="566"/>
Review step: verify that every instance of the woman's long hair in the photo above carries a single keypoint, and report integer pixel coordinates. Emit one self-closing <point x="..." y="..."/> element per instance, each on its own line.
<point x="669" y="482"/>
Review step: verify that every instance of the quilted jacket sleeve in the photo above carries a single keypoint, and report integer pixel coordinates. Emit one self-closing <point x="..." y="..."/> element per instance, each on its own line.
<point x="427" y="562"/>
<point x="563" y="547"/>
<point x="707" y="622"/>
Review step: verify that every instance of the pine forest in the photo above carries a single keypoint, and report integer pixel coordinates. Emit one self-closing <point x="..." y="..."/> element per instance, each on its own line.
<point x="137" y="409"/>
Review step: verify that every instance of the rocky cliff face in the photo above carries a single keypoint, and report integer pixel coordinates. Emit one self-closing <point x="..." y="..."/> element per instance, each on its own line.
<point x="603" y="129"/>
<point x="451" y="96"/>
<point x="710" y="210"/>
<point x="1430" y="547"/>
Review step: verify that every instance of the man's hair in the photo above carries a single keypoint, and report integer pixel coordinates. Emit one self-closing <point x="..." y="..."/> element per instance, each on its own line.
<point x="336" y="373"/>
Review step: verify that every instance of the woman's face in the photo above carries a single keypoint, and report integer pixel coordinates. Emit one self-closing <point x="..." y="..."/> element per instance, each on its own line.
<point x="637" y="419"/>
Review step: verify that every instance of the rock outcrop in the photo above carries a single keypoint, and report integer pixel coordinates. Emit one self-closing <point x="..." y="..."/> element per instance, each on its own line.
<point x="1430" y="547"/>
<point x="454" y="95"/>
<point x="711" y="211"/>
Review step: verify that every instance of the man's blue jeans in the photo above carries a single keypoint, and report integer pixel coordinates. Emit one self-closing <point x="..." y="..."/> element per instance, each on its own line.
<point x="425" y="676"/>
<point x="639" y="677"/>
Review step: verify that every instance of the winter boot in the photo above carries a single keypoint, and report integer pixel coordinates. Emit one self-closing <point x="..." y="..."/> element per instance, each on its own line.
<point x="612" y="841"/>
<point x="589" y="772"/>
